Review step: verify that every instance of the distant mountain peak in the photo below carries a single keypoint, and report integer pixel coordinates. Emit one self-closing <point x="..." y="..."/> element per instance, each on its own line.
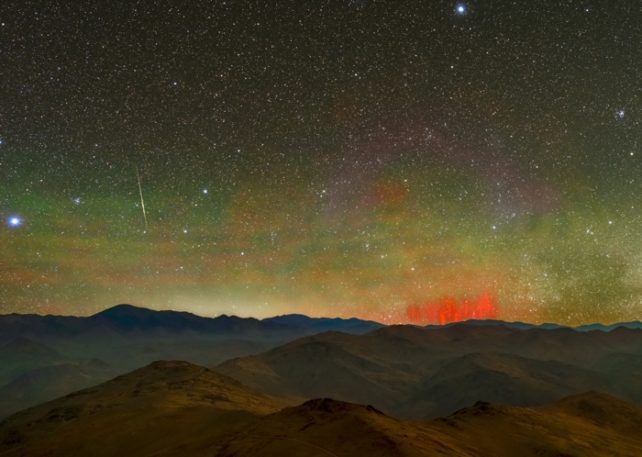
<point x="126" y="318"/>
<point x="123" y="308"/>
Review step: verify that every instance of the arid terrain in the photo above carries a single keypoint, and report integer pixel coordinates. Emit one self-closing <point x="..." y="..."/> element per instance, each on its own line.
<point x="421" y="373"/>
<point x="45" y="357"/>
<point x="316" y="387"/>
<point x="176" y="408"/>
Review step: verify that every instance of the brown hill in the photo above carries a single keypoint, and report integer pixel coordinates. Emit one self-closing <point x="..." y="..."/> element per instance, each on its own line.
<point x="602" y="410"/>
<point x="571" y="427"/>
<point x="584" y="425"/>
<point x="159" y="408"/>
<point x="325" y="427"/>
<point x="178" y="409"/>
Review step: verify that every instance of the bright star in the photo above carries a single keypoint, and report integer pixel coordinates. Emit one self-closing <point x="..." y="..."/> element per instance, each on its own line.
<point x="14" y="221"/>
<point x="460" y="9"/>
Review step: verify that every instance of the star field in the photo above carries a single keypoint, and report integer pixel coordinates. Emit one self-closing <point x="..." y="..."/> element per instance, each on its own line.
<point x="340" y="158"/>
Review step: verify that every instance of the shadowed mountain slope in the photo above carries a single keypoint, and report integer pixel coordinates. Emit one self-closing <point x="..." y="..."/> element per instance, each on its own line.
<point x="42" y="384"/>
<point x="583" y="425"/>
<point x="571" y="427"/>
<point x="326" y="427"/>
<point x="414" y="372"/>
<point x="163" y="406"/>
<point x="178" y="409"/>
<point x="498" y="378"/>
<point x="42" y="357"/>
<point x="22" y="354"/>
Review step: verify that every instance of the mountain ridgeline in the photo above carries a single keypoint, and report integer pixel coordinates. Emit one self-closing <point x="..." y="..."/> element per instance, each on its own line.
<point x="43" y="357"/>
<point x="175" y="408"/>
<point x="294" y="385"/>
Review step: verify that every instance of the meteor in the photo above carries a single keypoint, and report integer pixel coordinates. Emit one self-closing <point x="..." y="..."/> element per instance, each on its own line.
<point x="142" y="201"/>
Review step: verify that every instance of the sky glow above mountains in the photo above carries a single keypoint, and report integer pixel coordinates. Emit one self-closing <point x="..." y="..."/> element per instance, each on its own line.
<point x="417" y="162"/>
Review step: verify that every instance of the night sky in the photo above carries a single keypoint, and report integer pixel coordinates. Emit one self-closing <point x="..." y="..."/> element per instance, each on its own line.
<point x="403" y="161"/>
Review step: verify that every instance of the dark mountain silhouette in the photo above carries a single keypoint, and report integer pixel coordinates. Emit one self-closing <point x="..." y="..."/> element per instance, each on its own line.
<point x="547" y="325"/>
<point x="352" y="325"/>
<point x="637" y="325"/>
<point x="37" y="327"/>
<point x="127" y="319"/>
<point x="42" y="357"/>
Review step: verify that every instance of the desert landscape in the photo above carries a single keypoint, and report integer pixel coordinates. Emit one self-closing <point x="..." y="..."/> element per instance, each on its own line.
<point x="305" y="386"/>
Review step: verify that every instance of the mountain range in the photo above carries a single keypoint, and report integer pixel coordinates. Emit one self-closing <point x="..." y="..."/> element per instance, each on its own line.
<point x="130" y="320"/>
<point x="294" y="385"/>
<point x="176" y="408"/>
<point x="424" y="373"/>
<point x="43" y="357"/>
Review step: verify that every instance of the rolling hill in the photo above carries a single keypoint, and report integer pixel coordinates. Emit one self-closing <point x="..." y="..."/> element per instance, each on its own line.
<point x="423" y="373"/>
<point x="163" y="406"/>
<point x="43" y="357"/>
<point x="176" y="408"/>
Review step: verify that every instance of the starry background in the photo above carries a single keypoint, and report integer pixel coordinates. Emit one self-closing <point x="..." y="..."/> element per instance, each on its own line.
<point x="341" y="158"/>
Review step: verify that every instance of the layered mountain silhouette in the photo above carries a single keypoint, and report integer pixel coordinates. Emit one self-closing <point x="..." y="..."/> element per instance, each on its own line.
<point x="43" y="357"/>
<point x="128" y="319"/>
<point x="176" y="408"/>
<point x="477" y="388"/>
<point x="422" y="373"/>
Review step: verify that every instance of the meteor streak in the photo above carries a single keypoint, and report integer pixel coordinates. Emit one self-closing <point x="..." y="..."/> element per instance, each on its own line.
<point x="142" y="201"/>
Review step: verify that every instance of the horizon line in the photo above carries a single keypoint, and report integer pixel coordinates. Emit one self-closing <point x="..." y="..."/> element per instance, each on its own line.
<point x="419" y="325"/>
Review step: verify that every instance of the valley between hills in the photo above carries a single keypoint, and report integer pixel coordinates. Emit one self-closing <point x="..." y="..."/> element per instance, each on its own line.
<point x="131" y="381"/>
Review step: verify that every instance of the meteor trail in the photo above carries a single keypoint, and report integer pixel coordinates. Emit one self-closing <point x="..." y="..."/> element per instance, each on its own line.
<point x="142" y="201"/>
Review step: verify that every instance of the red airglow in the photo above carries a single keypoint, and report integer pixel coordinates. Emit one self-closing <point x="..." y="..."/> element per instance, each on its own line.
<point x="448" y="309"/>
